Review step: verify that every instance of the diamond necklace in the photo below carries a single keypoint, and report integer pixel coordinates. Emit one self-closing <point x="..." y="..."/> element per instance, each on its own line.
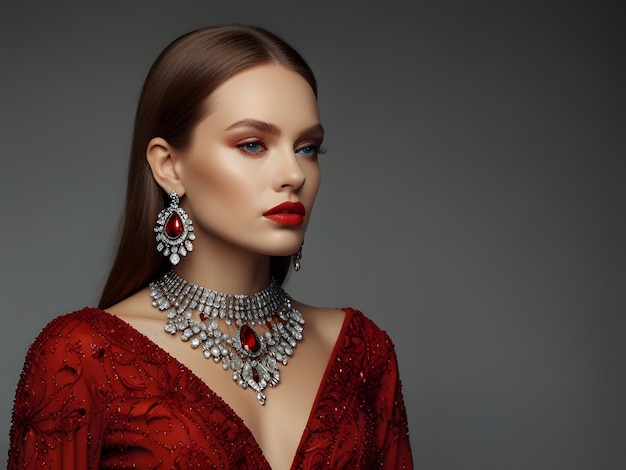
<point x="252" y="357"/>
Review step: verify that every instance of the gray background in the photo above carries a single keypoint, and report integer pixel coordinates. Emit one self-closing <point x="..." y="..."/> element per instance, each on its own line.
<point x="472" y="201"/>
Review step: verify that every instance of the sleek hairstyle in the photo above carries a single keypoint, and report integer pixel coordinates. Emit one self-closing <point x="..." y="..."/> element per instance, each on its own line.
<point x="173" y="100"/>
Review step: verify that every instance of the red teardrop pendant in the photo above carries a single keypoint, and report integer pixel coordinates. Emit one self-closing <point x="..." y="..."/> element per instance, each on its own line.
<point x="249" y="339"/>
<point x="174" y="226"/>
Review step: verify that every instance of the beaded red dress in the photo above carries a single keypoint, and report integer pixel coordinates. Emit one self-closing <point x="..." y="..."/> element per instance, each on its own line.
<point x="96" y="393"/>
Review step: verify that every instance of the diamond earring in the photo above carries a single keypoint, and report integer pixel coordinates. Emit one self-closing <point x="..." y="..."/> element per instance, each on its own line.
<point x="297" y="258"/>
<point x="174" y="231"/>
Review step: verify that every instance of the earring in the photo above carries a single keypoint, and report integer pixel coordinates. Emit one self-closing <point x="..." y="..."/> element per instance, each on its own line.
<point x="174" y="231"/>
<point x="297" y="258"/>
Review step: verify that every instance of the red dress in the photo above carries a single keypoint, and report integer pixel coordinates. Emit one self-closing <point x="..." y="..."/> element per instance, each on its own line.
<point x="96" y="393"/>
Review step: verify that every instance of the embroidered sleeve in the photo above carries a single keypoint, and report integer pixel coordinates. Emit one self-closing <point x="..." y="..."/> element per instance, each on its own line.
<point x="54" y="414"/>
<point x="392" y="429"/>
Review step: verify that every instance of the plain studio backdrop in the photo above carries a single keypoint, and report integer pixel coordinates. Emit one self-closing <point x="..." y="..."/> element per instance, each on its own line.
<point x="472" y="201"/>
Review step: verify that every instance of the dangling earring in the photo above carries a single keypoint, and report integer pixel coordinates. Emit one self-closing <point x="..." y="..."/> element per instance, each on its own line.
<point x="174" y="231"/>
<point x="296" y="259"/>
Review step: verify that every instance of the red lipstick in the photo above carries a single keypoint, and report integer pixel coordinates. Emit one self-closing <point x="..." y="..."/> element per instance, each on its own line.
<point x="286" y="213"/>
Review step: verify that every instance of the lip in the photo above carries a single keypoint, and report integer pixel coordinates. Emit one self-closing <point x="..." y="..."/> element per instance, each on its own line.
<point x="287" y="213"/>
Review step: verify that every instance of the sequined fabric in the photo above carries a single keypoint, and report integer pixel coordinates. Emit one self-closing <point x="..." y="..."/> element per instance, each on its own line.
<point x="97" y="394"/>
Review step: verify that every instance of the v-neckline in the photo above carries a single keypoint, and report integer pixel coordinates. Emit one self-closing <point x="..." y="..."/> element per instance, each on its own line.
<point x="212" y="394"/>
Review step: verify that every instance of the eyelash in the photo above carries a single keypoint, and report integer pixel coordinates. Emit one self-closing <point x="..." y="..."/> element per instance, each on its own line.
<point x="242" y="146"/>
<point x="318" y="150"/>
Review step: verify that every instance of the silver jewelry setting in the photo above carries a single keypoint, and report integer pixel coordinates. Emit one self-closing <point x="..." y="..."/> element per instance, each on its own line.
<point x="174" y="231"/>
<point x="297" y="258"/>
<point x="252" y="357"/>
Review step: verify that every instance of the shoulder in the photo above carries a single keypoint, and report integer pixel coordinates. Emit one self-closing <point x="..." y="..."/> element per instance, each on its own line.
<point x="349" y="328"/>
<point x="79" y="330"/>
<point x="363" y="327"/>
<point x="65" y="350"/>
<point x="347" y="323"/>
<point x="368" y="343"/>
<point x="82" y="347"/>
<point x="87" y="319"/>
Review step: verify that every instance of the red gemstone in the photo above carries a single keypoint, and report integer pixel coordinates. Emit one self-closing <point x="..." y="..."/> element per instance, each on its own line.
<point x="249" y="339"/>
<point x="174" y="226"/>
<point x="255" y="375"/>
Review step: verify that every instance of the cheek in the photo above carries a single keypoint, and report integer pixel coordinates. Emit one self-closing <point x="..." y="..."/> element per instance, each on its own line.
<point x="218" y="185"/>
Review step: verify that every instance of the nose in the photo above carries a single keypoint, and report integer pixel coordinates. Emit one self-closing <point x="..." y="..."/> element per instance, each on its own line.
<point x="288" y="170"/>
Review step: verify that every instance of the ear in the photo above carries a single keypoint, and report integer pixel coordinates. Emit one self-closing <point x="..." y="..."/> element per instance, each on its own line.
<point x="162" y="159"/>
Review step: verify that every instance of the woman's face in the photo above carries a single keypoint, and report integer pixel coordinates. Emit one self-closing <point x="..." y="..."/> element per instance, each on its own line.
<point x="255" y="150"/>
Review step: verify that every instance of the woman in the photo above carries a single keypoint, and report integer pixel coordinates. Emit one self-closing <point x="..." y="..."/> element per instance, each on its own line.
<point x="224" y="158"/>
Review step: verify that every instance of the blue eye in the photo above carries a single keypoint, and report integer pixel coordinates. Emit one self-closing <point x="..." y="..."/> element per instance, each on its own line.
<point x="252" y="148"/>
<point x="309" y="151"/>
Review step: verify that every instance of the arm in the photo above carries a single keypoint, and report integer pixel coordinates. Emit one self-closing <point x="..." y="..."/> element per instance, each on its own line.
<point x="392" y="431"/>
<point x="54" y="415"/>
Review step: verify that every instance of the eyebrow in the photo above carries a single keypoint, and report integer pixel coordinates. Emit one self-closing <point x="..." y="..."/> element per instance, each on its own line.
<point x="267" y="127"/>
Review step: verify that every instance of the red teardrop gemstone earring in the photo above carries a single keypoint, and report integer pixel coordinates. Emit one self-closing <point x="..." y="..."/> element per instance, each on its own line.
<point x="174" y="231"/>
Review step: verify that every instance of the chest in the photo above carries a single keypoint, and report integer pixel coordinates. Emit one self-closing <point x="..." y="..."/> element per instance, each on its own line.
<point x="200" y="398"/>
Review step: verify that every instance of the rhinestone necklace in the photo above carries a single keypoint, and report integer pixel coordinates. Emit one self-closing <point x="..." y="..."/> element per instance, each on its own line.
<point x="252" y="357"/>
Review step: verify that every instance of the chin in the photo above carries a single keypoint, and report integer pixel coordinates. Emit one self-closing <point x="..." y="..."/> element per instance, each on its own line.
<point x="283" y="247"/>
<point x="283" y="251"/>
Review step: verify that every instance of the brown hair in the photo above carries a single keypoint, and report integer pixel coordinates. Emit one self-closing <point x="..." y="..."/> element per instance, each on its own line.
<point x="171" y="104"/>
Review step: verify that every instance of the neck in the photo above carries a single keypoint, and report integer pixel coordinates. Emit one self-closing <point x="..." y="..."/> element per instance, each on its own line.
<point x="226" y="268"/>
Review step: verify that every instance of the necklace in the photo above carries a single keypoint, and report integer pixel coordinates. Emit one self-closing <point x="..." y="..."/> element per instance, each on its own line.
<point x="252" y="357"/>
